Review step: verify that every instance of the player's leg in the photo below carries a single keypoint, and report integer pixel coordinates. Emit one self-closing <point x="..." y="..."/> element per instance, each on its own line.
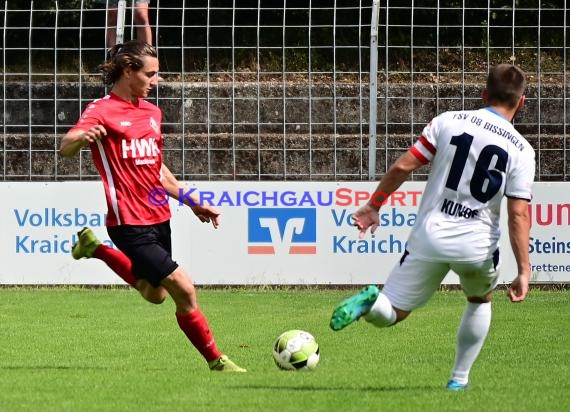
<point x="88" y="246"/>
<point x="122" y="265"/>
<point x="410" y="285"/>
<point x="151" y="294"/>
<point x="141" y="21"/>
<point x="477" y="281"/>
<point x="193" y="323"/>
<point x="154" y="263"/>
<point x="140" y="254"/>
<point x="354" y="307"/>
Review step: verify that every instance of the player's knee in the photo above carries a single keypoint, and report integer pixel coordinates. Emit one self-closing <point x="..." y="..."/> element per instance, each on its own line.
<point x="181" y="289"/>
<point x="156" y="299"/>
<point x="152" y="294"/>
<point x="401" y="315"/>
<point x="185" y="297"/>
<point x="479" y="299"/>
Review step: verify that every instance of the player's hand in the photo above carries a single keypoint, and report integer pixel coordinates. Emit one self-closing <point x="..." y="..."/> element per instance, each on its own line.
<point x="519" y="288"/>
<point x="364" y="218"/>
<point x="207" y="214"/>
<point x="97" y="132"/>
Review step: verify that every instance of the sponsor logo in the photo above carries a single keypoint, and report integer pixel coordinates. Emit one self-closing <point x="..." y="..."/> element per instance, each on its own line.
<point x="275" y="231"/>
<point x="154" y="125"/>
<point x="140" y="148"/>
<point x="275" y="198"/>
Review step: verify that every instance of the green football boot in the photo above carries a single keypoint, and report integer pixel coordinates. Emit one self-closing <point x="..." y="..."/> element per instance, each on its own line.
<point x="224" y="364"/>
<point x="86" y="245"/>
<point x="353" y="307"/>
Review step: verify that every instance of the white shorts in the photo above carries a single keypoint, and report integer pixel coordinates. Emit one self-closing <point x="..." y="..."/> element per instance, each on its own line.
<point x="413" y="281"/>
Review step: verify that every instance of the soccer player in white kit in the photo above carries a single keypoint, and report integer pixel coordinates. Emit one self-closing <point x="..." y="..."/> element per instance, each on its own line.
<point x="476" y="157"/>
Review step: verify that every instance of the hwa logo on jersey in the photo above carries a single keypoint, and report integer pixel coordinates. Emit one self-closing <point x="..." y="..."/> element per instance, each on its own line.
<point x="140" y="148"/>
<point x="154" y="125"/>
<point x="125" y="123"/>
<point x="275" y="231"/>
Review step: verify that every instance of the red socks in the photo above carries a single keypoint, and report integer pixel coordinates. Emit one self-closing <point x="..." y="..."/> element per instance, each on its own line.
<point x="117" y="261"/>
<point x="195" y="326"/>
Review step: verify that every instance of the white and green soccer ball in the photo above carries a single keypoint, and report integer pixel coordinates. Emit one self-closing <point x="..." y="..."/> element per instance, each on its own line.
<point x="296" y="350"/>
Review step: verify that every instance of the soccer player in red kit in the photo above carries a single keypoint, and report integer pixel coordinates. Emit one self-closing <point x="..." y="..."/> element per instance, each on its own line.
<point x="124" y="133"/>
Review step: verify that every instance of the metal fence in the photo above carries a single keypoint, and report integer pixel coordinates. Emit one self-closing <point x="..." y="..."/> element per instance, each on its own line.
<point x="281" y="90"/>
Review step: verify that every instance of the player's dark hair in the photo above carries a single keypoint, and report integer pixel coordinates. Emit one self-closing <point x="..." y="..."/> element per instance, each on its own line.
<point x="129" y="54"/>
<point x="505" y="85"/>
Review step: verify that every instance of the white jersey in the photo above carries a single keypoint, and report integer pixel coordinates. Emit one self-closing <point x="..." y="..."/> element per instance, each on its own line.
<point x="476" y="158"/>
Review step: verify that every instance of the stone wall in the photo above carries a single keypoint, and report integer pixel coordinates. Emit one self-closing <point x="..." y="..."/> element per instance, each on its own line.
<point x="265" y="131"/>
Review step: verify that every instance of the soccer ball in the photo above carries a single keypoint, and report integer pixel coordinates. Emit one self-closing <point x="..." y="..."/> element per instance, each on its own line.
<point x="296" y="350"/>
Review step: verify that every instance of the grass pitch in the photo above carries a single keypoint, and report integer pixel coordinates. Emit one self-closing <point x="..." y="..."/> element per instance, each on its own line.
<point x="108" y="350"/>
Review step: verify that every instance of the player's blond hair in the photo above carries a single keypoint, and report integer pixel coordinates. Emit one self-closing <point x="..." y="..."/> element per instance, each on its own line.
<point x="505" y="85"/>
<point x="129" y="54"/>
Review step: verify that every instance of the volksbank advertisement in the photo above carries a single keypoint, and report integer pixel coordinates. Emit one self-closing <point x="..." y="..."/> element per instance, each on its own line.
<point x="270" y="233"/>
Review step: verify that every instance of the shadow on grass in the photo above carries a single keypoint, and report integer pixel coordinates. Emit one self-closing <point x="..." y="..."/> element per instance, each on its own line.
<point x="70" y="367"/>
<point x="51" y="367"/>
<point x="312" y="388"/>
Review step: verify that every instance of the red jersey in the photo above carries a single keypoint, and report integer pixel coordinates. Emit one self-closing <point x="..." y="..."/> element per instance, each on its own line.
<point x="129" y="158"/>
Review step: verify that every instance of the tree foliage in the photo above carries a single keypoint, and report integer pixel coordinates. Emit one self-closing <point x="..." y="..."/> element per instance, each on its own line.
<point x="71" y="24"/>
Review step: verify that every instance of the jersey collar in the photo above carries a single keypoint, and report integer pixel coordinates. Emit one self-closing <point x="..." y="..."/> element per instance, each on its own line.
<point x="496" y="112"/>
<point x="117" y="97"/>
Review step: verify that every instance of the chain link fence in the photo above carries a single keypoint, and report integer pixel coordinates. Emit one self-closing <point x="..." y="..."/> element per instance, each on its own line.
<point x="282" y="90"/>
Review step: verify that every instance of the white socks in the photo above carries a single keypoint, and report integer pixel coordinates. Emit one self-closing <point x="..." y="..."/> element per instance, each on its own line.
<point x="470" y="338"/>
<point x="381" y="313"/>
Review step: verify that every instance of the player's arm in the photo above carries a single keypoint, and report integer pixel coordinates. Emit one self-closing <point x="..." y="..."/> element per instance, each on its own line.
<point x="519" y="232"/>
<point x="175" y="189"/>
<point x="367" y="216"/>
<point x="397" y="174"/>
<point x="76" y="139"/>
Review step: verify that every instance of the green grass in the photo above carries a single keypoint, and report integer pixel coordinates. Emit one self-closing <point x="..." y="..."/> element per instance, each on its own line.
<point x="108" y="350"/>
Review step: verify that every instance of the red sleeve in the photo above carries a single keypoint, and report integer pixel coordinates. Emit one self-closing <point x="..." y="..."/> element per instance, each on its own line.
<point x="90" y="117"/>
